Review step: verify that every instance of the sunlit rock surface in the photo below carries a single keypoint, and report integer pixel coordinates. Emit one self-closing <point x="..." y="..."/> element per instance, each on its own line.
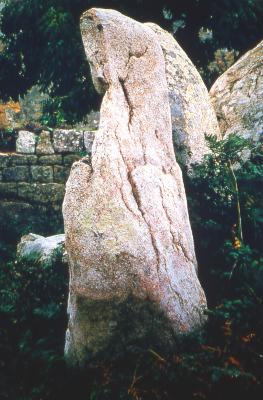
<point x="237" y="96"/>
<point x="192" y="113"/>
<point x="133" y="270"/>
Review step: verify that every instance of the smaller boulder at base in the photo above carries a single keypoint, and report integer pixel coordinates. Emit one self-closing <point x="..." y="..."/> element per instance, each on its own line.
<point x="40" y="249"/>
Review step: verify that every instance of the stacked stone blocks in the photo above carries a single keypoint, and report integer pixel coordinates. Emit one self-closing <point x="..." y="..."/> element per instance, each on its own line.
<point x="39" y="169"/>
<point x="32" y="179"/>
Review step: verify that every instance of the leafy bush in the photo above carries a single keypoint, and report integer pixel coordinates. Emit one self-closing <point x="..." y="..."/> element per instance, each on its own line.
<point x="225" y="206"/>
<point x="33" y="323"/>
<point x="8" y="139"/>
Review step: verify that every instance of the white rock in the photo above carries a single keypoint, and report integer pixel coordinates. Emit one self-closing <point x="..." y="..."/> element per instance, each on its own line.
<point x="67" y="140"/>
<point x="40" y="249"/>
<point x="88" y="140"/>
<point x="26" y="142"/>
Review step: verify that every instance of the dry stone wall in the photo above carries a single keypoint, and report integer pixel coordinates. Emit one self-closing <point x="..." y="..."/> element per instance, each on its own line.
<point x="32" y="179"/>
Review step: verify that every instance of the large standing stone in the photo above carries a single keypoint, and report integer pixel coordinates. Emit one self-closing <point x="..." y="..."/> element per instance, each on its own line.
<point x="128" y="236"/>
<point x="237" y="96"/>
<point x="192" y="113"/>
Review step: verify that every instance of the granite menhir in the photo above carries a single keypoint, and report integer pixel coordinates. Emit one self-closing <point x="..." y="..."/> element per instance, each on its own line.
<point x="133" y="270"/>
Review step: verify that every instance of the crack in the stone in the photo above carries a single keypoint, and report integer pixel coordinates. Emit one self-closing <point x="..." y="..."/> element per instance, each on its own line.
<point x="168" y="218"/>
<point x="137" y="54"/>
<point x="119" y="145"/>
<point x="137" y="199"/>
<point x="173" y="290"/>
<point x="232" y="84"/>
<point x="131" y="115"/>
<point x="165" y="145"/>
<point x="175" y="241"/>
<point x="124" y="199"/>
<point x="126" y="167"/>
<point x="258" y="76"/>
<point x="252" y="88"/>
<point x="128" y="100"/>
<point x="122" y="81"/>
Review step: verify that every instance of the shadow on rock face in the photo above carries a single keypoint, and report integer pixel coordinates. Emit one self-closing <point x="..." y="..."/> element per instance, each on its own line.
<point x="107" y="330"/>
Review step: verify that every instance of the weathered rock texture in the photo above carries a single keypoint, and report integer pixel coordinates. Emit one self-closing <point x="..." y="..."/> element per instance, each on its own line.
<point x="44" y="145"/>
<point x="192" y="113"/>
<point x="237" y="96"/>
<point x="128" y="236"/>
<point x="67" y="140"/>
<point x="26" y="142"/>
<point x="43" y="250"/>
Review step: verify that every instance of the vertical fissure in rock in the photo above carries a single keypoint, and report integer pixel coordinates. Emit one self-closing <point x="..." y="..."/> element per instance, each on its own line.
<point x="137" y="199"/>
<point x="136" y="256"/>
<point x="124" y="197"/>
<point x="176" y="242"/>
<point x="128" y="100"/>
<point x="131" y="54"/>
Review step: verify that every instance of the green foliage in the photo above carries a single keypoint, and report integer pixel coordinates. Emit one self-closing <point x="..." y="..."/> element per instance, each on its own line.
<point x="8" y="139"/>
<point x="42" y="44"/>
<point x="217" y="202"/>
<point x="45" y="220"/>
<point x="32" y="314"/>
<point x="53" y="113"/>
